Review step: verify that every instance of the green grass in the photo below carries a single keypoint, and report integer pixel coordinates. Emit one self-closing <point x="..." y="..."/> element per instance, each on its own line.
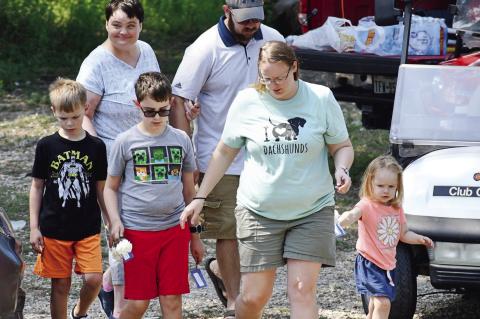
<point x="24" y="119"/>
<point x="15" y="202"/>
<point x="25" y="130"/>
<point x="367" y="144"/>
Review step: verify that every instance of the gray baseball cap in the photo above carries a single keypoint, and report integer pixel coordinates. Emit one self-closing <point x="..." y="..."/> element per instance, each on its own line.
<point x="246" y="9"/>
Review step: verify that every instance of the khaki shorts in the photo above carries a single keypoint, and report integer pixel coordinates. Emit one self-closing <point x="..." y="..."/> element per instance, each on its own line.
<point x="265" y="243"/>
<point x="217" y="213"/>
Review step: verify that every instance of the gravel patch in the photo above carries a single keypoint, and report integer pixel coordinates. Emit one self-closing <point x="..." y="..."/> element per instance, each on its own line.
<point x="336" y="296"/>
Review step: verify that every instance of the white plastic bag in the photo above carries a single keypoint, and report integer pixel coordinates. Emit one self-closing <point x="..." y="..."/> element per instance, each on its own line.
<point x="369" y="37"/>
<point x="335" y="33"/>
<point x="339" y="33"/>
<point x="428" y="36"/>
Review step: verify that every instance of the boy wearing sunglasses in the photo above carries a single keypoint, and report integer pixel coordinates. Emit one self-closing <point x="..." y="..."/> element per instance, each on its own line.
<point x="150" y="174"/>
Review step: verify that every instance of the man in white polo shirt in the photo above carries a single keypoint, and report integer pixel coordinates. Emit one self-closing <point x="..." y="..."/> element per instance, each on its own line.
<point x="221" y="62"/>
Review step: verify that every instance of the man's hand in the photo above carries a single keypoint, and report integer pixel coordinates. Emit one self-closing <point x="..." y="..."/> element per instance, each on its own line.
<point x="192" y="110"/>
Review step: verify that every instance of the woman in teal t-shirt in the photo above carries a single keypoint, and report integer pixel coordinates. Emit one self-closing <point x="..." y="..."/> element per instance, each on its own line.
<point x="286" y="194"/>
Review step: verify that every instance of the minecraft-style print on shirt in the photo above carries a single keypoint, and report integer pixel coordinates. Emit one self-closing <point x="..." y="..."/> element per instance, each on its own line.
<point x="157" y="164"/>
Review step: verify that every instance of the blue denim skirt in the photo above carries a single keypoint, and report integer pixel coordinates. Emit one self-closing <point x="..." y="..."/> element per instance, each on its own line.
<point x="372" y="280"/>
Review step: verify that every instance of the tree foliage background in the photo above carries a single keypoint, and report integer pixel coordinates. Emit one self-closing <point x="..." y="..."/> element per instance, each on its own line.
<point x="43" y="39"/>
<point x="52" y="37"/>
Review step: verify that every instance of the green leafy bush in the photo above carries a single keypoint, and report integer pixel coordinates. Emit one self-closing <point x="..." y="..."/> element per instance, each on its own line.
<point x="50" y="38"/>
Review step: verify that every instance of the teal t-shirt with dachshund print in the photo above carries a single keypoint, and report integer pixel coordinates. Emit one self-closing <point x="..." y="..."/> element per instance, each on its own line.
<point x="286" y="174"/>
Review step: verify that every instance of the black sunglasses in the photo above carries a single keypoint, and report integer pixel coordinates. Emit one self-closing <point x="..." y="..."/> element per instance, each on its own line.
<point x="151" y="113"/>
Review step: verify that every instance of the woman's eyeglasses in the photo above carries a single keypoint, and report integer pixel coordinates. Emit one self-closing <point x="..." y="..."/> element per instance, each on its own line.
<point x="277" y="80"/>
<point x="164" y="111"/>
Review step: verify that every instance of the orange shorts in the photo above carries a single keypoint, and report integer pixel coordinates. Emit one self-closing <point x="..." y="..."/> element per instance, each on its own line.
<point x="57" y="257"/>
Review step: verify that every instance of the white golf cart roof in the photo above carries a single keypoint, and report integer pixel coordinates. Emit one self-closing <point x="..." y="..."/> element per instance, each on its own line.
<point x="436" y="105"/>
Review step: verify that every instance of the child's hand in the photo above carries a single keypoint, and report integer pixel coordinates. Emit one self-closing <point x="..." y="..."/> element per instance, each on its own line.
<point x="336" y="215"/>
<point x="197" y="248"/>
<point x="424" y="240"/>
<point x="192" y="213"/>
<point x="116" y="232"/>
<point x="339" y="231"/>
<point x="348" y="217"/>
<point x="36" y="240"/>
<point x="122" y="250"/>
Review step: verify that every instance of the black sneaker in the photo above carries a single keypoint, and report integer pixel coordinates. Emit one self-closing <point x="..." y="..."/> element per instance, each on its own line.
<point x="106" y="301"/>
<point x="72" y="316"/>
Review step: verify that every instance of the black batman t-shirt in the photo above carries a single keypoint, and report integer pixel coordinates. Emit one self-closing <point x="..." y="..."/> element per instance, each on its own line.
<point x="70" y="169"/>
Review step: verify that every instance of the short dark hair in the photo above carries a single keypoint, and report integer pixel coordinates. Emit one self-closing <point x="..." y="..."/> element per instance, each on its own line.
<point x="133" y="8"/>
<point x="154" y="85"/>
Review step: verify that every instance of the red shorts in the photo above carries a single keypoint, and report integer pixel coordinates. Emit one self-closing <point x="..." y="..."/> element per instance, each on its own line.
<point x="159" y="265"/>
<point x="57" y="257"/>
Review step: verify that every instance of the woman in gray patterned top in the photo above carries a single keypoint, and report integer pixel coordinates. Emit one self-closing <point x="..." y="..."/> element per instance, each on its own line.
<point x="109" y="74"/>
<point x="110" y="71"/>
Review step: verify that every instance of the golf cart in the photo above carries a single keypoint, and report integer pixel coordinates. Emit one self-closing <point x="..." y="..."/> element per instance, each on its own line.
<point x="435" y="135"/>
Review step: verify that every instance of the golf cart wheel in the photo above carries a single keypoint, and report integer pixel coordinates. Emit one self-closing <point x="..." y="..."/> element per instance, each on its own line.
<point x="405" y="303"/>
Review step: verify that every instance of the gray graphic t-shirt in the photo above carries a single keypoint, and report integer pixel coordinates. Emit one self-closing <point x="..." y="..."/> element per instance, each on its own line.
<point x="104" y="74"/>
<point x="152" y="167"/>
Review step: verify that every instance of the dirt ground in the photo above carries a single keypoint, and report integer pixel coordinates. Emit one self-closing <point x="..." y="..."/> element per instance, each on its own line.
<point x="22" y="124"/>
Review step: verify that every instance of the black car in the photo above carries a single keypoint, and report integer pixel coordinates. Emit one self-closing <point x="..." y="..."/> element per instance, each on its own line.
<point x="12" y="297"/>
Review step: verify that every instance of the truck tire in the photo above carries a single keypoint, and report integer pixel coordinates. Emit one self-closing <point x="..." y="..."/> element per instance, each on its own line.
<point x="405" y="303"/>
<point x="376" y="116"/>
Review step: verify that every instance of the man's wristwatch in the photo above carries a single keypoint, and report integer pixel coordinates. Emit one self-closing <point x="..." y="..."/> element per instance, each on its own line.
<point x="197" y="229"/>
